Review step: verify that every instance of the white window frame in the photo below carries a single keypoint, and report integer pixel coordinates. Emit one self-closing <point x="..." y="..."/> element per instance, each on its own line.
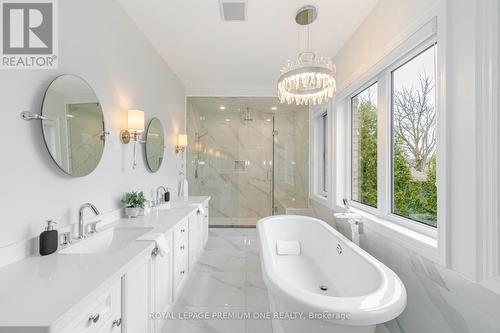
<point x="425" y="240"/>
<point x="318" y="132"/>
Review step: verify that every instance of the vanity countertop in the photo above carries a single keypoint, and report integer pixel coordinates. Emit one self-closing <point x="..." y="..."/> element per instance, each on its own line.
<point x="38" y="291"/>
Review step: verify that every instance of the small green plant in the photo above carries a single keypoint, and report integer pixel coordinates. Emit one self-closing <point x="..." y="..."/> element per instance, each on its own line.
<point x="134" y="199"/>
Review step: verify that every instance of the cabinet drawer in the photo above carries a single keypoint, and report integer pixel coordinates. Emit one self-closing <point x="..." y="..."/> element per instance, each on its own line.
<point x="181" y="233"/>
<point x="114" y="325"/>
<point x="103" y="310"/>
<point x="180" y="248"/>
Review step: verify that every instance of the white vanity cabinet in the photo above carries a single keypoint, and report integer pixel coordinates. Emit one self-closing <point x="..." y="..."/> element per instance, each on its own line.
<point x="205" y="225"/>
<point x="196" y="236"/>
<point x="147" y="293"/>
<point x="161" y="295"/>
<point x="136" y="297"/>
<point x="102" y="316"/>
<point x="127" y="290"/>
<point x="180" y="255"/>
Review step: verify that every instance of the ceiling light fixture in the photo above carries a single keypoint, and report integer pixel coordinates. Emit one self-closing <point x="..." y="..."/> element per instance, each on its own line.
<point x="222" y="107"/>
<point x="309" y="80"/>
<point x="274" y="108"/>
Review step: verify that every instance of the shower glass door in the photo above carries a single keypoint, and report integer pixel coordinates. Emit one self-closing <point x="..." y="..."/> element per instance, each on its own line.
<point x="237" y="154"/>
<point x="291" y="160"/>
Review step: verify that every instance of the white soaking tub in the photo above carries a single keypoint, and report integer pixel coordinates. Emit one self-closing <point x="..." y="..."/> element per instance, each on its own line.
<point x="332" y="285"/>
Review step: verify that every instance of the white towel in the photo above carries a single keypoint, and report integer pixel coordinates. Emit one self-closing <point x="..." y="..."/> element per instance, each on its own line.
<point x="284" y="248"/>
<point x="159" y="239"/>
<point x="184" y="188"/>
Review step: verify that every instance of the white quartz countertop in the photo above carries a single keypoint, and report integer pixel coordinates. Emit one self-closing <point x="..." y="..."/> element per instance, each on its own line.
<point x="38" y="291"/>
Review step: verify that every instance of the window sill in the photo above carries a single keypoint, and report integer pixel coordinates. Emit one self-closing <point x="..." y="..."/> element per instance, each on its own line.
<point x="492" y="285"/>
<point x="322" y="200"/>
<point x="419" y="243"/>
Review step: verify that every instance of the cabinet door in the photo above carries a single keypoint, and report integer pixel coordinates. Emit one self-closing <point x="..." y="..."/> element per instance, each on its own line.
<point x="136" y="298"/>
<point x="113" y="325"/>
<point x="204" y="226"/>
<point x="194" y="236"/>
<point x="93" y="317"/>
<point x="161" y="293"/>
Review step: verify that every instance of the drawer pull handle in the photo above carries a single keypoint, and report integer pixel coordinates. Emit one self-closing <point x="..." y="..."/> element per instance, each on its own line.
<point x="183" y="247"/>
<point x="182" y="272"/>
<point x="155" y="252"/>
<point x="198" y="212"/>
<point x="117" y="323"/>
<point x="94" y="318"/>
<point x="183" y="230"/>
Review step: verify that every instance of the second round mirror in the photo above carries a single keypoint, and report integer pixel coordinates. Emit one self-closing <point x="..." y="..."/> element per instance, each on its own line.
<point x="155" y="145"/>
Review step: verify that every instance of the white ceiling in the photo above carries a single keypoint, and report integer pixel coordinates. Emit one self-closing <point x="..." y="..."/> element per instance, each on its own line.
<point x="219" y="58"/>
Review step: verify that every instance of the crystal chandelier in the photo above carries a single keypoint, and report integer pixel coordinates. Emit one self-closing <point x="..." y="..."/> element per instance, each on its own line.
<point x="310" y="79"/>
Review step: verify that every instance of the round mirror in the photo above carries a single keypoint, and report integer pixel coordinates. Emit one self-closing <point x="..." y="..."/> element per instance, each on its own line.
<point x="155" y="144"/>
<point x="73" y="125"/>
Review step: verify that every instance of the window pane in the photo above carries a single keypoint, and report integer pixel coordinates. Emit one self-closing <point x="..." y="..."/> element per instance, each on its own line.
<point x="364" y="147"/>
<point x="414" y="139"/>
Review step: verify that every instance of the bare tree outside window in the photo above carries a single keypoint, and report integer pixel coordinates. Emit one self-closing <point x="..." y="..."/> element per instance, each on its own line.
<point x="414" y="138"/>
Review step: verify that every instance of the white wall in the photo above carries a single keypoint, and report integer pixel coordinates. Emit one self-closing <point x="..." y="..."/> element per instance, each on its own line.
<point x="440" y="299"/>
<point x="100" y="43"/>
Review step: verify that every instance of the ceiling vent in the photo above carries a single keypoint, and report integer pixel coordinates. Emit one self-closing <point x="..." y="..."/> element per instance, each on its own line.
<point x="233" y="10"/>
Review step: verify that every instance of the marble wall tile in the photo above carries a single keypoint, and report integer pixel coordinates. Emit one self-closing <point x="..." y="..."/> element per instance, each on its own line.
<point x="231" y="159"/>
<point x="439" y="300"/>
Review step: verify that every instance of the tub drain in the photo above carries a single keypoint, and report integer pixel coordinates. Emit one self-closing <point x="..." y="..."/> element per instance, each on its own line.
<point x="323" y="288"/>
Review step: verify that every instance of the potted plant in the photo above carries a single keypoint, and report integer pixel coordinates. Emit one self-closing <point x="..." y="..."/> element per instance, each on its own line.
<point x="134" y="203"/>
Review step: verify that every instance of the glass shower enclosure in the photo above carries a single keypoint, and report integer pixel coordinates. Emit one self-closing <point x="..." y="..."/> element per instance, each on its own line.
<point x="250" y="155"/>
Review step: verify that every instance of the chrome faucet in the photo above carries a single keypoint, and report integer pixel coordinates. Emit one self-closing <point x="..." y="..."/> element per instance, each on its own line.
<point x="81" y="232"/>
<point x="346" y="205"/>
<point x="158" y="197"/>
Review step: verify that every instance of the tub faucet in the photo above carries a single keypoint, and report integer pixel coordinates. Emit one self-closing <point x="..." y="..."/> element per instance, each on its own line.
<point x="158" y="197"/>
<point x="346" y="205"/>
<point x="81" y="232"/>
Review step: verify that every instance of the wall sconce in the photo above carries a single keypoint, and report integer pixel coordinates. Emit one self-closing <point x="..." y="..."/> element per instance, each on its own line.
<point x="135" y="128"/>
<point x="182" y="142"/>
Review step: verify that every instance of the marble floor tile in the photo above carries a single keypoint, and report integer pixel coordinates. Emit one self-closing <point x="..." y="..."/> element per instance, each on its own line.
<point x="252" y="261"/>
<point x="222" y="261"/>
<point x="226" y="243"/>
<point x="237" y="243"/>
<point x="206" y="325"/>
<point x="226" y="278"/>
<point x="206" y="288"/>
<point x="257" y="324"/>
<point x="233" y="232"/>
<point x="255" y="290"/>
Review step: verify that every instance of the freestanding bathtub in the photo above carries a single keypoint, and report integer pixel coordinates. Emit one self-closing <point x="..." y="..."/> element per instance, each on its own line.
<point x="331" y="286"/>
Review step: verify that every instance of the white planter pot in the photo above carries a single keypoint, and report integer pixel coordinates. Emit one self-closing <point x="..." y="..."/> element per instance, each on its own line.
<point x="132" y="212"/>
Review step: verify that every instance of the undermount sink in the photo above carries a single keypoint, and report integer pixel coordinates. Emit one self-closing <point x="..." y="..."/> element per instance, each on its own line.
<point x="110" y="240"/>
<point x="172" y="205"/>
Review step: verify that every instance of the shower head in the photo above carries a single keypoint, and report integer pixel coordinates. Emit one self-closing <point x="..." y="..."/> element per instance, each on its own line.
<point x="199" y="136"/>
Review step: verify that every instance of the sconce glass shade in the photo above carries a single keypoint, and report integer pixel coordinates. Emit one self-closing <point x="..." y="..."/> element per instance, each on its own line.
<point x="136" y="121"/>
<point x="182" y="140"/>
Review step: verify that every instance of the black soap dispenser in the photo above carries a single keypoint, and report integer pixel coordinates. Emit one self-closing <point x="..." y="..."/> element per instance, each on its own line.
<point x="48" y="239"/>
<point x="166" y="197"/>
